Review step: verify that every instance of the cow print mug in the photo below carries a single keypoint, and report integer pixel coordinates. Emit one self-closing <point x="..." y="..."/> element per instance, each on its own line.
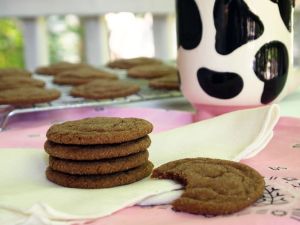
<point x="234" y="53"/>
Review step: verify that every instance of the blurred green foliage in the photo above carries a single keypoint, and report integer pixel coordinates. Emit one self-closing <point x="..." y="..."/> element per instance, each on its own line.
<point x="11" y="44"/>
<point x="11" y="40"/>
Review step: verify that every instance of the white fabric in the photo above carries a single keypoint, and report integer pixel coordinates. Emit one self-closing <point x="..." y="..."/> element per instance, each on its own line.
<point x="26" y="197"/>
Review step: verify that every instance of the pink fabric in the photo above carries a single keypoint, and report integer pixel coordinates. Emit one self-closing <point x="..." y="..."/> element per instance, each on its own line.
<point x="165" y="216"/>
<point x="279" y="162"/>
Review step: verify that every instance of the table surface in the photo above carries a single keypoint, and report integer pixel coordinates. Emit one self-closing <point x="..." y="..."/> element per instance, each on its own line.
<point x="284" y="136"/>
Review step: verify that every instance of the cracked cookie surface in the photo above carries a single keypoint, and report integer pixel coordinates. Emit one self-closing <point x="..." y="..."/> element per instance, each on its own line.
<point x="96" y="152"/>
<point x="99" y="130"/>
<point x="106" y="166"/>
<point x="100" y="181"/>
<point x="213" y="186"/>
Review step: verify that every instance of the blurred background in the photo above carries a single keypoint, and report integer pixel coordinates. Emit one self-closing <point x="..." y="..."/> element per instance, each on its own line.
<point x="128" y="35"/>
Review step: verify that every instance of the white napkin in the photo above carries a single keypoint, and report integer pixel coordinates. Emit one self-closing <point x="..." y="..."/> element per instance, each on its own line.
<point x="26" y="197"/>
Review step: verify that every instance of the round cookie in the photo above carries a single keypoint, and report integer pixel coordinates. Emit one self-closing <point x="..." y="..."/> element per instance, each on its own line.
<point x="129" y="63"/>
<point x="28" y="95"/>
<point x="100" y="181"/>
<point x="96" y="152"/>
<point x="11" y="82"/>
<point x="82" y="76"/>
<point x="59" y="67"/>
<point x="213" y="186"/>
<point x="170" y="82"/>
<point x="107" y="166"/>
<point x="14" y="72"/>
<point x="105" y="89"/>
<point x="151" y="71"/>
<point x="99" y="130"/>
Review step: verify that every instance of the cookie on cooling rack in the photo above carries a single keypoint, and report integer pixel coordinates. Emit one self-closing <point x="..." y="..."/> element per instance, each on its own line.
<point x="27" y="96"/>
<point x="132" y="62"/>
<point x="105" y="89"/>
<point x="11" y="82"/>
<point x="59" y="67"/>
<point x="12" y="72"/>
<point x="82" y="76"/>
<point x="151" y="71"/>
<point x="170" y="82"/>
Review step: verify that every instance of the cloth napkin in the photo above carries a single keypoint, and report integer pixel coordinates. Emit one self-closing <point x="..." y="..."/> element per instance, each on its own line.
<point x="27" y="197"/>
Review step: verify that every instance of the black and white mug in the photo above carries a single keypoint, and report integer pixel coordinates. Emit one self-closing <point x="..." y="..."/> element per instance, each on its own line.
<point x="235" y="52"/>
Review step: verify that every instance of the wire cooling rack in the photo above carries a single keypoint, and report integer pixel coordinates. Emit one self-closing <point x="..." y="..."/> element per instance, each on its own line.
<point x="66" y="101"/>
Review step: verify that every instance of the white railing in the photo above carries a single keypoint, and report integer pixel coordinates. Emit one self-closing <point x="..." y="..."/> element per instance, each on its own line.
<point x="32" y="13"/>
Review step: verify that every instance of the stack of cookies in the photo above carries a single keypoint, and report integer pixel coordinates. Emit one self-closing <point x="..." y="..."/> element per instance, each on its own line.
<point x="99" y="152"/>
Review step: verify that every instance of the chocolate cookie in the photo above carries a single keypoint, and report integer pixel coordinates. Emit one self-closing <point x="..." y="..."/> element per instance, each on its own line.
<point x="105" y="89"/>
<point x="82" y="76"/>
<point x="59" y="67"/>
<point x="213" y="186"/>
<point x="96" y="152"/>
<point x="106" y="166"/>
<point x="28" y="95"/>
<point x="151" y="71"/>
<point x="170" y="82"/>
<point x="100" y="181"/>
<point x="129" y="63"/>
<point x="11" y="82"/>
<point x="13" y="72"/>
<point x="99" y="130"/>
